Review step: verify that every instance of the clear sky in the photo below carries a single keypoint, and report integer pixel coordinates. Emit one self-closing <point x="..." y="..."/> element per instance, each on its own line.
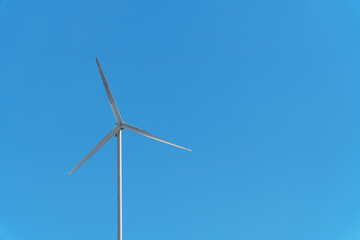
<point x="266" y="93"/>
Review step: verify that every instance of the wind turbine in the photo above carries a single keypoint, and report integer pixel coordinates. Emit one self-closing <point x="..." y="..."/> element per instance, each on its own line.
<point x="116" y="131"/>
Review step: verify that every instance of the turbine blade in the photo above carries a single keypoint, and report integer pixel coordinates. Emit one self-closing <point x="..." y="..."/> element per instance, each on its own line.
<point x="98" y="146"/>
<point x="108" y="92"/>
<point x="146" y="134"/>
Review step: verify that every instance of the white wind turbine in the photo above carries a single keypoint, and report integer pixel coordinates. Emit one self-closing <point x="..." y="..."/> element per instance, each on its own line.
<point x="116" y="131"/>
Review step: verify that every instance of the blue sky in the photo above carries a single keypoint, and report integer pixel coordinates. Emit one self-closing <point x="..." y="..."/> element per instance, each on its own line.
<point x="266" y="93"/>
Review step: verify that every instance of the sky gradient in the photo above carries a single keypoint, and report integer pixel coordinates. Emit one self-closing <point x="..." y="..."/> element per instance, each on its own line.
<point x="265" y="93"/>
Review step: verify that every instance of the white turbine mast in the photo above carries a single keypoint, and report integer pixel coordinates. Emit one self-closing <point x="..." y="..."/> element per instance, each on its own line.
<point x="116" y="131"/>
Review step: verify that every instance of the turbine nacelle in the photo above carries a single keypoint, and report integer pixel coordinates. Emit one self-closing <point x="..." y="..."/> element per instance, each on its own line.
<point x="121" y="128"/>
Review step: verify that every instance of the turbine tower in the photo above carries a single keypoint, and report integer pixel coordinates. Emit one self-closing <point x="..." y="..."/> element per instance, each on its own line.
<point x="116" y="131"/>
